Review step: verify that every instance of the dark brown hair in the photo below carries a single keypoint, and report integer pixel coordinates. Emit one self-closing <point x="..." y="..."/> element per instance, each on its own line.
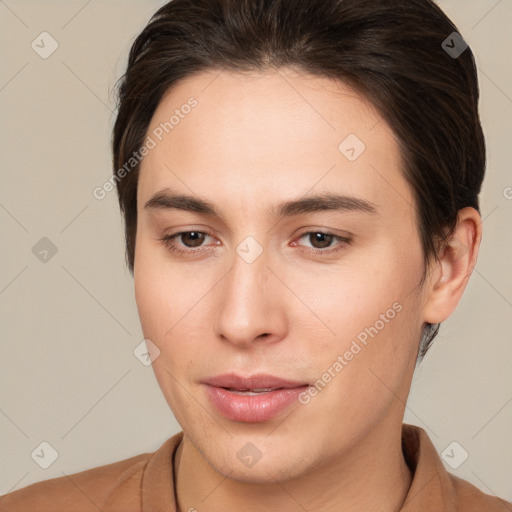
<point x="391" y="51"/>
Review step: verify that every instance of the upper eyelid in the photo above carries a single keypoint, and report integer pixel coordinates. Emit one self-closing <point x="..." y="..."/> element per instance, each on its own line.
<point x="341" y="239"/>
<point x="176" y="236"/>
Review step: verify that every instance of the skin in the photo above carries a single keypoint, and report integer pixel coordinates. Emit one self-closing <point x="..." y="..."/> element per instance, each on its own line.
<point x="251" y="142"/>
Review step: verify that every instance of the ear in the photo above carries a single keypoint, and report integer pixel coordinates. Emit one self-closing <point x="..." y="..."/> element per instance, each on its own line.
<point x="450" y="274"/>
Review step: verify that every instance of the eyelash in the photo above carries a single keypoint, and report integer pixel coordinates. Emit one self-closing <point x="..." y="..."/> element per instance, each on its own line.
<point x="167" y="241"/>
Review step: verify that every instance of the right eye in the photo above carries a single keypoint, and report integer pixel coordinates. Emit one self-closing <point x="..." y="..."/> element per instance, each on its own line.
<point x="195" y="239"/>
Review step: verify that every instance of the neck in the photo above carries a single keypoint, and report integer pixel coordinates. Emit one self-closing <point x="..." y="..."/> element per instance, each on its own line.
<point x="373" y="475"/>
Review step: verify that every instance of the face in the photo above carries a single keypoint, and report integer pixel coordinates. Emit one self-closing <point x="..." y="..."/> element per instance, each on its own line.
<point x="265" y="279"/>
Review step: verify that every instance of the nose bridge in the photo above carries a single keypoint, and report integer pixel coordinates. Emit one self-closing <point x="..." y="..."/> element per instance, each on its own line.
<point x="247" y="307"/>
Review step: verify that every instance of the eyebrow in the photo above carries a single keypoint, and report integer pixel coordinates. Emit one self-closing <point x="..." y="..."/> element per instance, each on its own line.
<point x="167" y="200"/>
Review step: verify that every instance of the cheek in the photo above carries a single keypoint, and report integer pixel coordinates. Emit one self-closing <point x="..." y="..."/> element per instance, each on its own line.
<point x="162" y="316"/>
<point x="158" y="293"/>
<point x="167" y="304"/>
<point x="366" y="368"/>
<point x="356" y="298"/>
<point x="160" y="306"/>
<point x="372" y="311"/>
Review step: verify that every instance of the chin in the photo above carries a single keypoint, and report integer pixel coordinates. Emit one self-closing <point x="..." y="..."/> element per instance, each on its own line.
<point x="280" y="467"/>
<point x="262" y="474"/>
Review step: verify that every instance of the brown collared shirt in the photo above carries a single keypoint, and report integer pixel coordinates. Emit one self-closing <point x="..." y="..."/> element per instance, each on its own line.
<point x="146" y="483"/>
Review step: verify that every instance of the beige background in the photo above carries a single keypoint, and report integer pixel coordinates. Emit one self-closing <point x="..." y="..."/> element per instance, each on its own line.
<point x="70" y="325"/>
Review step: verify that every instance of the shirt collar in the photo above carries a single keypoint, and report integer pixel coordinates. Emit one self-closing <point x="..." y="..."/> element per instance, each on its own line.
<point x="431" y="487"/>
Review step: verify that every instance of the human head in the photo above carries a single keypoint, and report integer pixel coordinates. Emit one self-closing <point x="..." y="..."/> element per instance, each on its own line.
<point x="271" y="89"/>
<point x="390" y="53"/>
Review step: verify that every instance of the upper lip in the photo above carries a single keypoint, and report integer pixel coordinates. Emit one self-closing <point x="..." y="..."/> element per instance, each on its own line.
<point x="259" y="381"/>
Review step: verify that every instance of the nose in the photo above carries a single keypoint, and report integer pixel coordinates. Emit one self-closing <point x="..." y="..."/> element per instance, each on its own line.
<point x="251" y="306"/>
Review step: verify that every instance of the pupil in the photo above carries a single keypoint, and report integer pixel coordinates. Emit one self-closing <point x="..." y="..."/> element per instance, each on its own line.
<point x="319" y="236"/>
<point x="195" y="242"/>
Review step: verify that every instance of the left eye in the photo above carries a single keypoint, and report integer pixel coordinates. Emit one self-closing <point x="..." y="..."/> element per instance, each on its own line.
<point x="324" y="240"/>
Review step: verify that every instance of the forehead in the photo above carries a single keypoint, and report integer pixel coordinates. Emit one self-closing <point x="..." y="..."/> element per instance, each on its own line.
<point x="270" y="135"/>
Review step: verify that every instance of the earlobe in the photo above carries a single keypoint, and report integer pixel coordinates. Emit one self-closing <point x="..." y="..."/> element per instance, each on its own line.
<point x="452" y="270"/>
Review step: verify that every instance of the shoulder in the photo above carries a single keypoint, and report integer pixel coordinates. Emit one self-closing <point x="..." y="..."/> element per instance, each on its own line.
<point x="471" y="499"/>
<point x="88" y="490"/>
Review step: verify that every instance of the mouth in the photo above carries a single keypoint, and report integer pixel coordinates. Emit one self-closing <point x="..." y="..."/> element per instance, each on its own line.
<point x="253" y="399"/>
<point x="251" y="392"/>
<point x="259" y="383"/>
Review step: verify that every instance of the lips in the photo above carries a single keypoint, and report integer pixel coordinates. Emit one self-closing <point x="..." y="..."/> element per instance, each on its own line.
<point x="253" y="399"/>
<point x="254" y="383"/>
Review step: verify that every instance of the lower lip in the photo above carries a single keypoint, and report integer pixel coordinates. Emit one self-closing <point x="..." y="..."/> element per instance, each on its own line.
<point x="252" y="408"/>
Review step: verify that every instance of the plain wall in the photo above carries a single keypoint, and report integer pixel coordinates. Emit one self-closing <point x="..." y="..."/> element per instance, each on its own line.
<point x="69" y="325"/>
